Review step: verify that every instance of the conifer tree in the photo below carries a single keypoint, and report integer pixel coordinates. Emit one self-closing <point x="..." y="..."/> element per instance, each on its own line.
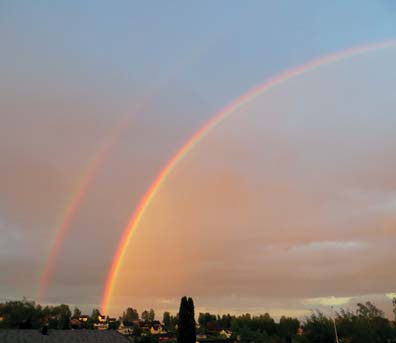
<point x="186" y="326"/>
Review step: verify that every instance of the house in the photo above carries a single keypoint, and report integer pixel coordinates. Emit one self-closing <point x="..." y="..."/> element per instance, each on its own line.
<point x="101" y="326"/>
<point x="126" y="331"/>
<point x="84" y="318"/>
<point x="127" y="324"/>
<point x="126" y="327"/>
<point x="225" y="333"/>
<point x="300" y="331"/>
<point x="102" y="323"/>
<point x="157" y="330"/>
<point x="75" y="323"/>
<point x="201" y="337"/>
<point x="153" y="327"/>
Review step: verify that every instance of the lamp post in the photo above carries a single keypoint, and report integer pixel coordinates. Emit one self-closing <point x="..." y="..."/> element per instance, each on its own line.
<point x="335" y="326"/>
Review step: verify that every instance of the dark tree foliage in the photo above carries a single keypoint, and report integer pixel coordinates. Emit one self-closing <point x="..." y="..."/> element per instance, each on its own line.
<point x="130" y="315"/>
<point x="149" y="339"/>
<point x="394" y="308"/>
<point x="366" y="325"/>
<point x="186" y="326"/>
<point x="166" y="319"/>
<point x="288" y="327"/>
<point x="27" y="315"/>
<point x="21" y="314"/>
<point x="95" y="315"/>
<point x="151" y="314"/>
<point x="145" y="315"/>
<point x="253" y="328"/>
<point x="60" y="317"/>
<point x="247" y="335"/>
<point x="114" y="325"/>
<point x="76" y="313"/>
<point x="262" y="323"/>
<point x="319" y="328"/>
<point x="137" y="331"/>
<point x="174" y="321"/>
<point x="205" y="318"/>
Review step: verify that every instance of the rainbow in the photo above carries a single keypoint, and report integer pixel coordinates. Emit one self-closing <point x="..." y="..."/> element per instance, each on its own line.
<point x="74" y="204"/>
<point x="151" y="192"/>
<point x="87" y="176"/>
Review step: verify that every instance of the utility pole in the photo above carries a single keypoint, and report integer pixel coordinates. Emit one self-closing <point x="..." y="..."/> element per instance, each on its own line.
<point x="335" y="326"/>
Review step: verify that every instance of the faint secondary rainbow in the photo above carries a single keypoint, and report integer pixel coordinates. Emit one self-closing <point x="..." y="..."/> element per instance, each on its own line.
<point x="74" y="204"/>
<point x="88" y="174"/>
<point x="82" y="186"/>
<point x="151" y="192"/>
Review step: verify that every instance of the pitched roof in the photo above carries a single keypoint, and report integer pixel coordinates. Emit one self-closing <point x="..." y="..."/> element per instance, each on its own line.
<point x="61" y="336"/>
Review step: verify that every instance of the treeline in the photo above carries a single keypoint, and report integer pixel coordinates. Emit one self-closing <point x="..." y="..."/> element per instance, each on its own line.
<point x="24" y="314"/>
<point x="28" y="315"/>
<point x="364" y="324"/>
<point x="132" y="314"/>
<point x="249" y="328"/>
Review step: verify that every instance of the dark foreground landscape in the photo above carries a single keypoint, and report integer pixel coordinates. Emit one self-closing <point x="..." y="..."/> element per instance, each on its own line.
<point x="25" y="321"/>
<point x="61" y="336"/>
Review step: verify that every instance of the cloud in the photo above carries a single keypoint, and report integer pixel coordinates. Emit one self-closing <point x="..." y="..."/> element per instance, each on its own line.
<point x="289" y="203"/>
<point x="281" y="201"/>
<point x="328" y="301"/>
<point x="335" y="246"/>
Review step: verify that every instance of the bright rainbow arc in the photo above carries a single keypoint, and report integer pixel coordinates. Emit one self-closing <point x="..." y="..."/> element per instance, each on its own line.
<point x="85" y="180"/>
<point x="150" y="194"/>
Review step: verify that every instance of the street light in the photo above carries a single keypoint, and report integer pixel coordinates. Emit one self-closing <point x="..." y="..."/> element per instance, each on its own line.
<point x="335" y="326"/>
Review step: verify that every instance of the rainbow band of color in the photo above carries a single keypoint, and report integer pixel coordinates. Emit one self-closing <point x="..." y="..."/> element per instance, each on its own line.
<point x="198" y="135"/>
<point x="73" y="205"/>
<point x="85" y="181"/>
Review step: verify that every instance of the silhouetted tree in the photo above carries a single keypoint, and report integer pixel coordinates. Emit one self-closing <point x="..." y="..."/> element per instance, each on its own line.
<point x="288" y="327"/>
<point x="130" y="315"/>
<point x="174" y="320"/>
<point x="253" y="336"/>
<point x="367" y="325"/>
<point x="186" y="326"/>
<point x="167" y="319"/>
<point x="151" y="315"/>
<point x="95" y="315"/>
<point x="319" y="328"/>
<point x="114" y="325"/>
<point x="207" y="321"/>
<point x="21" y="314"/>
<point x="136" y="331"/>
<point x="394" y="307"/>
<point x="368" y="310"/>
<point x="76" y="313"/>
<point x="62" y="314"/>
<point x="145" y="315"/>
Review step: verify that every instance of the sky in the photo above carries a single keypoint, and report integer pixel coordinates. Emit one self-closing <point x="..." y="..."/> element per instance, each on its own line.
<point x="287" y="206"/>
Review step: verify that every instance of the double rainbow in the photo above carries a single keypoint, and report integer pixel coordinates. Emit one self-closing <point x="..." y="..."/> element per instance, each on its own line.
<point x="150" y="194"/>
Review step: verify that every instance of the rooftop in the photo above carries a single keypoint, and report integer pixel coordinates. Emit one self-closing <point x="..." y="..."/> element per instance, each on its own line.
<point x="61" y="336"/>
